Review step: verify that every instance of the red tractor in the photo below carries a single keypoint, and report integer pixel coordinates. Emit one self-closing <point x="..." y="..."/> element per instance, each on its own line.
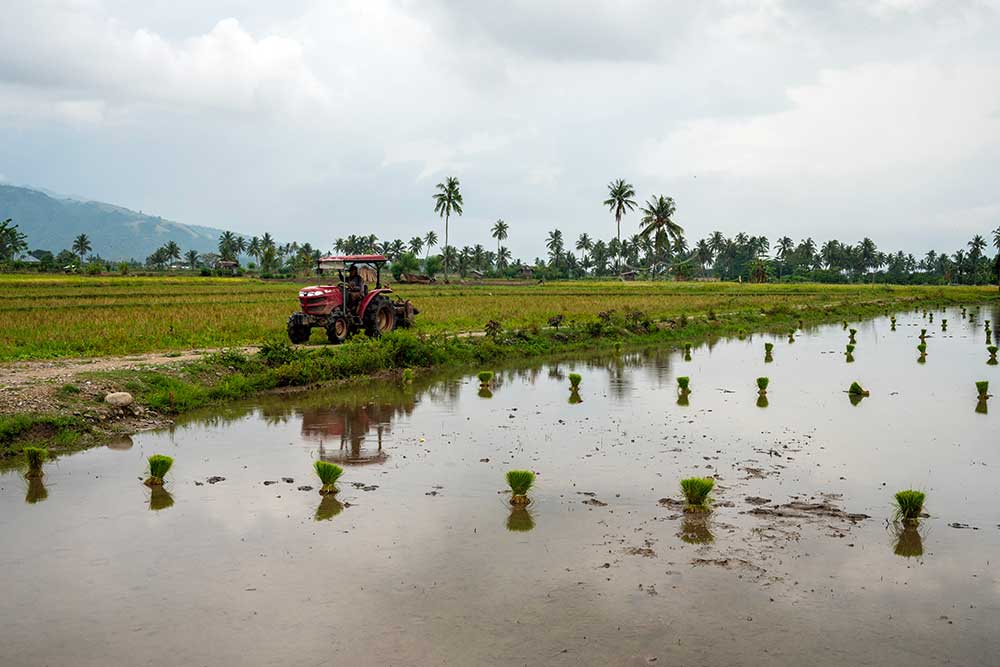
<point x="349" y="306"/>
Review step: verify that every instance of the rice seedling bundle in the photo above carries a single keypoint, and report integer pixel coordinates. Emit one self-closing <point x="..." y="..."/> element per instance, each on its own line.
<point x="35" y="457"/>
<point x="159" y="466"/>
<point x="684" y="384"/>
<point x="857" y="390"/>
<point x="909" y="504"/>
<point x="762" y="383"/>
<point x="328" y="474"/>
<point x="574" y="380"/>
<point x="983" y="387"/>
<point x="696" y="490"/>
<point x="485" y="377"/>
<point x="520" y="482"/>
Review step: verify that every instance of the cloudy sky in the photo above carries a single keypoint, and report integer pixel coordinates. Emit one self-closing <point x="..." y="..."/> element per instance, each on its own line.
<point x="315" y="119"/>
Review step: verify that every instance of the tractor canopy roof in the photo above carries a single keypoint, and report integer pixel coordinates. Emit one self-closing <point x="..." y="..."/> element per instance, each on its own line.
<point x="342" y="261"/>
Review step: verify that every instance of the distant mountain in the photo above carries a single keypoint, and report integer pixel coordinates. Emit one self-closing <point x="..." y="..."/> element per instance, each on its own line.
<point x="52" y="221"/>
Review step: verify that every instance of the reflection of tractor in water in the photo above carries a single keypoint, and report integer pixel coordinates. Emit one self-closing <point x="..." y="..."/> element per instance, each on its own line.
<point x="350" y="305"/>
<point x="349" y="425"/>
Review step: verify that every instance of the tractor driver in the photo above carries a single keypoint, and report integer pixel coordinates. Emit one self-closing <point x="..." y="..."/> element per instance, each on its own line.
<point x="355" y="284"/>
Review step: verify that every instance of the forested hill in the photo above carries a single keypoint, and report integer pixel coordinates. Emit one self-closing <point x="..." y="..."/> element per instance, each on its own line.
<point x="116" y="233"/>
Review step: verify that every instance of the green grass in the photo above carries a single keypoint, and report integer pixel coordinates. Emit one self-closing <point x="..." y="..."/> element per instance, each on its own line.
<point x="520" y="482"/>
<point x="909" y="504"/>
<point x="407" y="376"/>
<point x="35" y="457"/>
<point x="574" y="380"/>
<point x="762" y="383"/>
<point x="81" y="316"/>
<point x="159" y="466"/>
<point x="485" y="377"/>
<point x="328" y="474"/>
<point x="696" y="490"/>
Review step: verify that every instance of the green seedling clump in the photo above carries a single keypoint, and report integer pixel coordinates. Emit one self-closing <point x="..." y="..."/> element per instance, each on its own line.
<point x="159" y="466"/>
<point x="768" y="348"/>
<point x="850" y="349"/>
<point x="328" y="474"/>
<point x="407" y="376"/>
<point x="992" y="349"/>
<point x="34" y="457"/>
<point x="520" y="482"/>
<point x="923" y="334"/>
<point x="485" y="377"/>
<point x="922" y="347"/>
<point x="574" y="380"/>
<point x="857" y="390"/>
<point x="696" y="490"/>
<point x="762" y="383"/>
<point x="684" y="385"/>
<point x="983" y="387"/>
<point x="909" y="505"/>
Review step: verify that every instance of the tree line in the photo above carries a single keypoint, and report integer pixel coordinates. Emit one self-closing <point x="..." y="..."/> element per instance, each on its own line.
<point x="658" y="250"/>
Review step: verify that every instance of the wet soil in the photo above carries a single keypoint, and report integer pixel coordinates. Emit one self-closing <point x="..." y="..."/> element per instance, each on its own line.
<point x="420" y="559"/>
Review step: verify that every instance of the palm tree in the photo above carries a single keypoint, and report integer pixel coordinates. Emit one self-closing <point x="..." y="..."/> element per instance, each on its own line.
<point x="81" y="246"/>
<point x="658" y="220"/>
<point x="448" y="200"/>
<point x="584" y="244"/>
<point x="416" y="245"/>
<point x="554" y="243"/>
<point x="996" y="262"/>
<point x="172" y="250"/>
<point x="253" y="248"/>
<point x="228" y="245"/>
<point x="430" y="240"/>
<point x="503" y="258"/>
<point x="620" y="201"/>
<point x="192" y="258"/>
<point x="499" y="232"/>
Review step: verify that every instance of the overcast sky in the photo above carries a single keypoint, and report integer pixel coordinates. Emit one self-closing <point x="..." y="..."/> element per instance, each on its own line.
<point x="315" y="119"/>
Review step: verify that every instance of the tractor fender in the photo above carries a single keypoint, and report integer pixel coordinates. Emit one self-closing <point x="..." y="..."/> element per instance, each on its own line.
<point x="368" y="299"/>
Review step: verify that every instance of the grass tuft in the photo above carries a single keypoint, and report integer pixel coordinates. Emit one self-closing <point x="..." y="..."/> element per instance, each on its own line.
<point x="909" y="504"/>
<point x="328" y="474"/>
<point x="159" y="466"/>
<point x="696" y="490"/>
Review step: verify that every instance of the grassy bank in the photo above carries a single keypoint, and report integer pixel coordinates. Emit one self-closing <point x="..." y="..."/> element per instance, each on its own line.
<point x="48" y="317"/>
<point x="231" y="374"/>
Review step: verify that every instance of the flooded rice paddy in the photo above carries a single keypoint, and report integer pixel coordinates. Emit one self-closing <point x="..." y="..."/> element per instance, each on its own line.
<point x="421" y="560"/>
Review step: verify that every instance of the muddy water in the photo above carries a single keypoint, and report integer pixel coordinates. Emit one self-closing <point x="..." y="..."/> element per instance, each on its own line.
<point x="420" y="560"/>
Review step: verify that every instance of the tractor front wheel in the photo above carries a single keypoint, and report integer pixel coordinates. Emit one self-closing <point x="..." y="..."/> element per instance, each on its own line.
<point x="298" y="330"/>
<point x="380" y="317"/>
<point x="337" y="329"/>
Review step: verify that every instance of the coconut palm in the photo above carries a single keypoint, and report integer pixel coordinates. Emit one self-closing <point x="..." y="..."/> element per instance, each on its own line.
<point x="448" y="200"/>
<point x="657" y="216"/>
<point x="620" y="201"/>
<point x="228" y="245"/>
<point x="503" y="258"/>
<point x="81" y="246"/>
<point x="430" y="240"/>
<point x="499" y="232"/>
<point x="416" y="245"/>
<point x="192" y="258"/>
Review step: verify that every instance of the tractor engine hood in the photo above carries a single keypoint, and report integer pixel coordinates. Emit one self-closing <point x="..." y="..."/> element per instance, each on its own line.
<point x="317" y="290"/>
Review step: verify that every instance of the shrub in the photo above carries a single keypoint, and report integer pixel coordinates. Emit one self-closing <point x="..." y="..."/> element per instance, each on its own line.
<point x="983" y="387"/>
<point x="696" y="490"/>
<point x="328" y="474"/>
<point x="520" y="481"/>
<point x="159" y="466"/>
<point x="34" y="457"/>
<point x="574" y="380"/>
<point x="909" y="504"/>
<point x="277" y="352"/>
<point x="762" y="383"/>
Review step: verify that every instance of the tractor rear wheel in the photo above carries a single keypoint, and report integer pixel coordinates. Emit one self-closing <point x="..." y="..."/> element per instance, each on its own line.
<point x="380" y="317"/>
<point x="298" y="330"/>
<point x="337" y="329"/>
